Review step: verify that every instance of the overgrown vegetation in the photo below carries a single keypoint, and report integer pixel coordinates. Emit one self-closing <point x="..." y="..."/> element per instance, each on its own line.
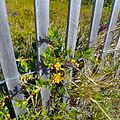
<point x="91" y="94"/>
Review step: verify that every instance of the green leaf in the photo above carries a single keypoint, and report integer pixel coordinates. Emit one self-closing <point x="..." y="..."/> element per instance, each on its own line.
<point x="44" y="113"/>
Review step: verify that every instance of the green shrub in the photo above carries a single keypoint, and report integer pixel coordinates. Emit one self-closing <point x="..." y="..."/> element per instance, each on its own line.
<point x="92" y="94"/>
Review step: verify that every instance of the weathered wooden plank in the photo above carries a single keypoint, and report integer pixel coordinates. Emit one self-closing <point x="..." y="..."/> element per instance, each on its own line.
<point x="72" y="26"/>
<point x="112" y="22"/>
<point x="42" y="24"/>
<point x="74" y="13"/>
<point x="118" y="73"/>
<point x="96" y="16"/>
<point x="117" y="50"/>
<point x="116" y="55"/>
<point x="7" y="59"/>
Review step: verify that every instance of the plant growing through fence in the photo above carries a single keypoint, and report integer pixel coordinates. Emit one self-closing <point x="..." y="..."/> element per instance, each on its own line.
<point x="84" y="89"/>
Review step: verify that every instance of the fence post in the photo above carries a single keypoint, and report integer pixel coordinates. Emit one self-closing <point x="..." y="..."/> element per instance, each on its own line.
<point x="7" y="59"/>
<point x="96" y="16"/>
<point x="112" y="22"/>
<point x="42" y="23"/>
<point x="74" y="14"/>
<point x="71" y="36"/>
<point x="116" y="55"/>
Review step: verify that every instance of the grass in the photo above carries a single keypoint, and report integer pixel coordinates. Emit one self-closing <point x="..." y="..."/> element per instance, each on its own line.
<point x="98" y="92"/>
<point x="21" y="19"/>
<point x="58" y="11"/>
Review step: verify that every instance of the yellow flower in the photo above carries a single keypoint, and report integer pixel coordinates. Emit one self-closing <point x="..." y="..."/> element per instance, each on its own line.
<point x="57" y="66"/>
<point x="77" y="65"/>
<point x="3" y="104"/>
<point x="57" y="78"/>
<point x="50" y="47"/>
<point x="7" y="116"/>
<point x="72" y="61"/>
<point x="23" y="77"/>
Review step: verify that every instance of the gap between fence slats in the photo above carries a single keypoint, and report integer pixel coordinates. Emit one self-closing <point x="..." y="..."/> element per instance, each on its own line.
<point x="42" y="24"/>
<point x="112" y="22"/>
<point x="7" y="59"/>
<point x="96" y="16"/>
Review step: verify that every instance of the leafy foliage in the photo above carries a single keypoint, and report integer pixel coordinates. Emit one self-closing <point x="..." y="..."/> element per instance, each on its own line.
<point x="91" y="94"/>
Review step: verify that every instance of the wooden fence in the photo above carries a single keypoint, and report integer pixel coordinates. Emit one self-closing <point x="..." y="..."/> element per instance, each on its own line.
<point x="41" y="8"/>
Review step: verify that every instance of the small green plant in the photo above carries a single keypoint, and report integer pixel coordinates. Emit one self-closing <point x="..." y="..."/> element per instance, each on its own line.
<point x="91" y="95"/>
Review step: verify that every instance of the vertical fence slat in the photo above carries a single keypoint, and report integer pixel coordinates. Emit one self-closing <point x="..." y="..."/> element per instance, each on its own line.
<point x="72" y="27"/>
<point x="96" y="16"/>
<point x="112" y="22"/>
<point x="117" y="49"/>
<point x="74" y="13"/>
<point x="7" y="58"/>
<point x="118" y="73"/>
<point x="116" y="55"/>
<point x="42" y="23"/>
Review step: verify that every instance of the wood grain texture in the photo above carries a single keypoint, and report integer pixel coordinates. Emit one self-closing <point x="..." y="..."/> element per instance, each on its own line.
<point x="7" y="58"/>
<point x="112" y="22"/>
<point x="42" y="24"/>
<point x="96" y="16"/>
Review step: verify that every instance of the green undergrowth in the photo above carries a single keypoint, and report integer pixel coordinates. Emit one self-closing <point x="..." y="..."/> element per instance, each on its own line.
<point x="92" y="93"/>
